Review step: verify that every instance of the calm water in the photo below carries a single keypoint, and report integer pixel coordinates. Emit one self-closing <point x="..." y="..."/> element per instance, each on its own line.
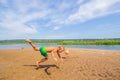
<point x="102" y="47"/>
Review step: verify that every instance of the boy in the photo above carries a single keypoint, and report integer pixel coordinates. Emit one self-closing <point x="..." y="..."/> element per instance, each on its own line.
<point x="45" y="50"/>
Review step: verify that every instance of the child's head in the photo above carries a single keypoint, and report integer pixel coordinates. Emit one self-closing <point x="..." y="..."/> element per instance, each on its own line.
<point x="61" y="48"/>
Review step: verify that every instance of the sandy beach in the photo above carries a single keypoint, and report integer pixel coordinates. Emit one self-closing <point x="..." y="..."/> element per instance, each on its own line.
<point x="81" y="64"/>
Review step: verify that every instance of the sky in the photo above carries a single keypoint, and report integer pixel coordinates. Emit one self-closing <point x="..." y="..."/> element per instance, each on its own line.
<point x="59" y="19"/>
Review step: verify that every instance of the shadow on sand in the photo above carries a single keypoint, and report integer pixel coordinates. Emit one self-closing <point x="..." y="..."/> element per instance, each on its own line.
<point x="46" y="67"/>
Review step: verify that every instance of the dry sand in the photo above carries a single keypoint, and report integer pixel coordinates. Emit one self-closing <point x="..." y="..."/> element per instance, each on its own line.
<point x="81" y="64"/>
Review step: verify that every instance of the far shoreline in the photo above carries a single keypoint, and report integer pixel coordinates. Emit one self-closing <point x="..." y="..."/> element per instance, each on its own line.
<point x="87" y="49"/>
<point x="115" y="41"/>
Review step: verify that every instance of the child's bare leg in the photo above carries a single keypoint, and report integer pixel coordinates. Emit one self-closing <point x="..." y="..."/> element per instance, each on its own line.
<point x="42" y="60"/>
<point x="33" y="46"/>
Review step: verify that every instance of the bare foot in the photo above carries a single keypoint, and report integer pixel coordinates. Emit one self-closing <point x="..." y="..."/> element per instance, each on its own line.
<point x="28" y="40"/>
<point x="37" y="64"/>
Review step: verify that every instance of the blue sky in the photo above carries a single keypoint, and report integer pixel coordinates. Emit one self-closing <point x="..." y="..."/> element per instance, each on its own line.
<point x="59" y="19"/>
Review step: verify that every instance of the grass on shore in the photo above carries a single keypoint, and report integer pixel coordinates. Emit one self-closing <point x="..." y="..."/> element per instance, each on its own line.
<point x="66" y="42"/>
<point x="93" y="42"/>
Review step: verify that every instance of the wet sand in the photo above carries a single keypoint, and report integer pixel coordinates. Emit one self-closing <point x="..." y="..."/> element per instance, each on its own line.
<point x="81" y="64"/>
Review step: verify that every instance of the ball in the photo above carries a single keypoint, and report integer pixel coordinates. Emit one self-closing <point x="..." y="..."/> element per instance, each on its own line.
<point x="66" y="52"/>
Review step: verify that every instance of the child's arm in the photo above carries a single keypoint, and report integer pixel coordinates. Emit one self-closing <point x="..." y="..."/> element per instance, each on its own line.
<point x="59" y="56"/>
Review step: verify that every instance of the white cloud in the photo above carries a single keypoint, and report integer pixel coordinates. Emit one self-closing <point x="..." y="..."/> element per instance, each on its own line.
<point x="12" y="22"/>
<point x="23" y="6"/>
<point x="87" y="10"/>
<point x="15" y="22"/>
<point x="93" y="9"/>
<point x="21" y="17"/>
<point x="56" y="28"/>
<point x="64" y="6"/>
<point x="36" y="15"/>
<point x="80" y="1"/>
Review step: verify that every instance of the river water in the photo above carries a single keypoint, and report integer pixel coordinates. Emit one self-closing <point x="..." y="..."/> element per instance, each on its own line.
<point x="101" y="47"/>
